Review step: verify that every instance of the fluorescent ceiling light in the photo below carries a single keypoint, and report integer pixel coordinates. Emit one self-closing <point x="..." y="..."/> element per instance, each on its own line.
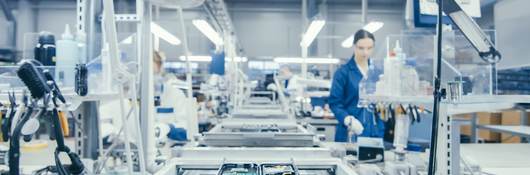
<point x="164" y="34"/>
<point x="373" y="26"/>
<point x="348" y="42"/>
<point x="370" y="27"/>
<point x="312" y="32"/>
<point x="197" y="58"/>
<point x="307" y="60"/>
<point x="203" y="58"/>
<point x="207" y="30"/>
<point x="240" y="59"/>
<point x="128" y="40"/>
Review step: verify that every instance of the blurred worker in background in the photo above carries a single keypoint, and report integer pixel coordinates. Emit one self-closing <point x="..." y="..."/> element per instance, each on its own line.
<point x="344" y="94"/>
<point x="288" y="79"/>
<point x="158" y="58"/>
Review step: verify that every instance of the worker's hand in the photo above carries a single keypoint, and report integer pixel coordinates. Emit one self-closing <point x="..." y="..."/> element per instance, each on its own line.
<point x="353" y="125"/>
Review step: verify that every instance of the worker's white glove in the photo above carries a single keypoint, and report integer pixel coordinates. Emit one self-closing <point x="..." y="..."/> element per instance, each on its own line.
<point x="353" y="125"/>
<point x="272" y="87"/>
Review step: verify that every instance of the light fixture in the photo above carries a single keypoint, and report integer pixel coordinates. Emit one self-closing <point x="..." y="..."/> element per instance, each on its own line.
<point x="480" y="42"/>
<point x="206" y="29"/>
<point x="164" y="34"/>
<point x="348" y="42"/>
<point x="373" y="26"/>
<point x="128" y="40"/>
<point x="203" y="58"/>
<point x="307" y="60"/>
<point x="197" y="58"/>
<point x="471" y="31"/>
<point x="312" y="32"/>
<point x="240" y="59"/>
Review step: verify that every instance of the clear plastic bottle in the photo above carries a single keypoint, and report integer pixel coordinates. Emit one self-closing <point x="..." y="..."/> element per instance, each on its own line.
<point x="394" y="66"/>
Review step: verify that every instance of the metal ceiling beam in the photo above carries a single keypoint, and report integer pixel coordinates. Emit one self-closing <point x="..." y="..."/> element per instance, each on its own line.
<point x="7" y="11"/>
<point x="329" y="2"/>
<point x="218" y="11"/>
<point x="12" y="26"/>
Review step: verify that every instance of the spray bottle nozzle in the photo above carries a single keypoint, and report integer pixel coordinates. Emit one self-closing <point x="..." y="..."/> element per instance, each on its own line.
<point x="67" y="34"/>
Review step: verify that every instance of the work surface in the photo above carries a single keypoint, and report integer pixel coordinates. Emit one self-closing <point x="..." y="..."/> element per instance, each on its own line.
<point x="519" y="130"/>
<point x="34" y="159"/>
<point x="499" y="159"/>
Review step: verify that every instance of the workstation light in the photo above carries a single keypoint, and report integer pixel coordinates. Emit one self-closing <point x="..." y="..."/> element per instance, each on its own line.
<point x="203" y="58"/>
<point x="307" y="60"/>
<point x="207" y="30"/>
<point x="164" y="34"/>
<point x="312" y="31"/>
<point x="472" y="31"/>
<point x="371" y="27"/>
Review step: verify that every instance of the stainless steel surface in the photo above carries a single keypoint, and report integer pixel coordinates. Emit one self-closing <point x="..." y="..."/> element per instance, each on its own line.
<point x="326" y="127"/>
<point x="260" y="114"/>
<point x="308" y="159"/>
<point x="258" y="133"/>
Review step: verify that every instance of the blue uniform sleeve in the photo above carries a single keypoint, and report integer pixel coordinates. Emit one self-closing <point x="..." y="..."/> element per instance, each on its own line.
<point x="336" y="96"/>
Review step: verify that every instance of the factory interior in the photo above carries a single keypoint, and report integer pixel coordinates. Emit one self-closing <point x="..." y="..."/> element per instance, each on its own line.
<point x="264" y="87"/>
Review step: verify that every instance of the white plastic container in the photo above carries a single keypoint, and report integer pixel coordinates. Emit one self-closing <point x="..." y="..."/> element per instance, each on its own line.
<point x="67" y="57"/>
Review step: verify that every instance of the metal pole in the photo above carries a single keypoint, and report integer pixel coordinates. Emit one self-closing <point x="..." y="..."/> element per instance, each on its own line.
<point x="437" y="94"/>
<point x="12" y="25"/>
<point x="304" y="28"/>
<point x="186" y="53"/>
<point x="364" y="9"/>
<point x="145" y="56"/>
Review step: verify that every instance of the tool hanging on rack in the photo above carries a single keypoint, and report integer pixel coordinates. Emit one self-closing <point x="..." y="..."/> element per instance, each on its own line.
<point x="43" y="89"/>
<point x="389" y="111"/>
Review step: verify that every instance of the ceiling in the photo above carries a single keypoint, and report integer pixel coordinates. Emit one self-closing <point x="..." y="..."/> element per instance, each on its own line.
<point x="332" y="2"/>
<point x="343" y="2"/>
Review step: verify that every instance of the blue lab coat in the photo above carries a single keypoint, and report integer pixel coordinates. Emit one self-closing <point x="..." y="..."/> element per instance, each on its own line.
<point x="344" y="97"/>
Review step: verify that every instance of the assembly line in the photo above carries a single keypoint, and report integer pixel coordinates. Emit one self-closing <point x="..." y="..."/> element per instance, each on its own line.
<point x="211" y="87"/>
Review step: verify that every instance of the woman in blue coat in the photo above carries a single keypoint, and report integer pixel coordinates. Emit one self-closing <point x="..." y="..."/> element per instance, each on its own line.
<point x="344" y="95"/>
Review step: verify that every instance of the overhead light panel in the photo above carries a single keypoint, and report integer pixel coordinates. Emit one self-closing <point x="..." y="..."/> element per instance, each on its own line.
<point x="299" y="60"/>
<point x="373" y="26"/>
<point x="203" y="58"/>
<point x="348" y="42"/>
<point x="240" y="59"/>
<point x="312" y="32"/>
<point x="128" y="40"/>
<point x="207" y="30"/>
<point x="197" y="58"/>
<point x="164" y="34"/>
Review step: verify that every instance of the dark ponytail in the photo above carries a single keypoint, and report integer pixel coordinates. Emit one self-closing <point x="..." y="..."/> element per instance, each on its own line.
<point x="362" y="34"/>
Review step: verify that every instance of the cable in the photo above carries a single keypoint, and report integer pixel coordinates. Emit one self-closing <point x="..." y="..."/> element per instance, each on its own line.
<point x="14" y="144"/>
<point x="42" y="86"/>
<point x="437" y="95"/>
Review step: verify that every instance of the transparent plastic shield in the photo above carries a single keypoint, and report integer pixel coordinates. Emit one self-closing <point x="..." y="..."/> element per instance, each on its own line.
<point x="463" y="65"/>
<point x="100" y="69"/>
<point x="405" y="71"/>
<point x="408" y="68"/>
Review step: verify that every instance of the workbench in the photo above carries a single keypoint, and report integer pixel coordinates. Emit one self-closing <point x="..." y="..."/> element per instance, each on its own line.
<point x="499" y="159"/>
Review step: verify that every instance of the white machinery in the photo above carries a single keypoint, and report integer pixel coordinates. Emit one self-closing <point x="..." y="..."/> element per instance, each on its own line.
<point x="260" y="144"/>
<point x="184" y="110"/>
